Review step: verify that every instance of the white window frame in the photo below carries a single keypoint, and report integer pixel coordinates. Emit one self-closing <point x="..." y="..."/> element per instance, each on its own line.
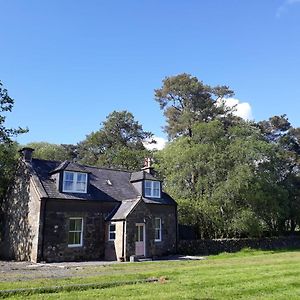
<point x="158" y="229"/>
<point x="81" y="233"/>
<point x="74" y="182"/>
<point x="112" y="231"/>
<point x="151" y="194"/>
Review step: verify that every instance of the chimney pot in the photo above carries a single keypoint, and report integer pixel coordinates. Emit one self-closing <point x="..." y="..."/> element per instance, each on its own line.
<point x="26" y="153"/>
<point x="147" y="166"/>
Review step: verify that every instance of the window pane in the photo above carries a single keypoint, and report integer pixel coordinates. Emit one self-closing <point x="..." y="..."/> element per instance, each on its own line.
<point x="80" y="186"/>
<point x="156" y="188"/>
<point x="81" y="177"/>
<point x="157" y="234"/>
<point x="148" y="184"/>
<point x="141" y="233"/>
<point x="155" y="193"/>
<point x="137" y="233"/>
<point x="157" y="231"/>
<point x="148" y="192"/>
<point x="69" y="176"/>
<point x="157" y="222"/>
<point x="77" y="236"/>
<point x="78" y="223"/>
<point x="112" y="231"/>
<point x="72" y="224"/>
<point x="156" y="184"/>
<point x="71" y="238"/>
<point x="68" y="186"/>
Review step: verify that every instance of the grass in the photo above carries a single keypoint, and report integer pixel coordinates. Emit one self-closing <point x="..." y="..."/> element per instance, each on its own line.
<point x="245" y="275"/>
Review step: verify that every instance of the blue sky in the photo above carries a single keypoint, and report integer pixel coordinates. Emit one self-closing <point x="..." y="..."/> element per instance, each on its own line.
<point x="68" y="64"/>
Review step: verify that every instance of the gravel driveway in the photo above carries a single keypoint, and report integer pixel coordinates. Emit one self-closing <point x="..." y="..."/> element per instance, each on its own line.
<point x="18" y="271"/>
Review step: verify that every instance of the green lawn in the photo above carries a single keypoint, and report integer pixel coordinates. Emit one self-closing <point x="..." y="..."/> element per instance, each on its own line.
<point x="244" y="275"/>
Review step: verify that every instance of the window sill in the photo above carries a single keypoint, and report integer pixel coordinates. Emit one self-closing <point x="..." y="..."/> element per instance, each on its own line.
<point x="74" y="246"/>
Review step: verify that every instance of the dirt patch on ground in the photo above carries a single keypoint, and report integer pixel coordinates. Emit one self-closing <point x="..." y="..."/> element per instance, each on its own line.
<point x="19" y="271"/>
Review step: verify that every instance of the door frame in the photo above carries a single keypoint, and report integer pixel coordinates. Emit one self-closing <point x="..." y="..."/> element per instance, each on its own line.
<point x="144" y="235"/>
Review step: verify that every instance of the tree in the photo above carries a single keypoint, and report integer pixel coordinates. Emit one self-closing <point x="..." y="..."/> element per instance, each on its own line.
<point x="48" y="151"/>
<point x="118" y="143"/>
<point x="226" y="180"/>
<point x="8" y="148"/>
<point x="6" y="105"/>
<point x="186" y="100"/>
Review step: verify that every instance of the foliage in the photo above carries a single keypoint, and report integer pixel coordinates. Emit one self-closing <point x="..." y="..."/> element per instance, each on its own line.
<point x="8" y="158"/>
<point x="6" y="105"/>
<point x="226" y="180"/>
<point x="186" y="100"/>
<point x="118" y="143"/>
<point x="8" y="148"/>
<point x="48" y="151"/>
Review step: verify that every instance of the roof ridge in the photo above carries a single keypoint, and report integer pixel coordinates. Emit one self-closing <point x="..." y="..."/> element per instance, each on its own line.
<point x="84" y="165"/>
<point x="49" y="160"/>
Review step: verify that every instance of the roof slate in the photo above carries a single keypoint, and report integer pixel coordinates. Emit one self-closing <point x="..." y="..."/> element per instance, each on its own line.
<point x="142" y="175"/>
<point x="124" y="209"/>
<point x="105" y="184"/>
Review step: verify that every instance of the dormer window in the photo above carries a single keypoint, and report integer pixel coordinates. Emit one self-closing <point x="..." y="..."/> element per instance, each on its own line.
<point x="74" y="182"/>
<point x="152" y="189"/>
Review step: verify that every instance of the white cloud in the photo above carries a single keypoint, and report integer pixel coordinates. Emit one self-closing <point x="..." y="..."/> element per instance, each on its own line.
<point x="242" y="109"/>
<point x="159" y="145"/>
<point x="284" y="7"/>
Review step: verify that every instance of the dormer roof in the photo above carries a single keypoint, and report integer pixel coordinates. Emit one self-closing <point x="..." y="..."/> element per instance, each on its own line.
<point x="142" y="175"/>
<point x="69" y="166"/>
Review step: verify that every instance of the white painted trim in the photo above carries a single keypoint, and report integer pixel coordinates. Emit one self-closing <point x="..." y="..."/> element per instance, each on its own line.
<point x="160" y="230"/>
<point x="73" y="190"/>
<point x="151" y="195"/>
<point x="112" y="223"/>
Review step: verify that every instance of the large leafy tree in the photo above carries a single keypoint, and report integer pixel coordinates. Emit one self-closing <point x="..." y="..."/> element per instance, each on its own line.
<point x="186" y="100"/>
<point x="225" y="179"/>
<point x="280" y="132"/>
<point x="118" y="143"/>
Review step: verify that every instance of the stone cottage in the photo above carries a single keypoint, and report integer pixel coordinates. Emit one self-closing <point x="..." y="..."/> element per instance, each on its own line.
<point x="64" y="211"/>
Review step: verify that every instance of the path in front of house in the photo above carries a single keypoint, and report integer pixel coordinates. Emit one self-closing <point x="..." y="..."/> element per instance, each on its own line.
<point x="20" y="271"/>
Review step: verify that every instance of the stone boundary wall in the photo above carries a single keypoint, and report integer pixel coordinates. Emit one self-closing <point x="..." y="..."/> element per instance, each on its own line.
<point x="208" y="247"/>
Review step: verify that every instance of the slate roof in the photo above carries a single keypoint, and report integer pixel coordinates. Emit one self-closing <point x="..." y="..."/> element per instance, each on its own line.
<point x="105" y="184"/>
<point x="70" y="166"/>
<point x="141" y="175"/>
<point x="124" y="209"/>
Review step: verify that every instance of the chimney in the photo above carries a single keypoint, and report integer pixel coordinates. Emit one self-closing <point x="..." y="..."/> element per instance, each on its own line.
<point x="147" y="166"/>
<point x="26" y="153"/>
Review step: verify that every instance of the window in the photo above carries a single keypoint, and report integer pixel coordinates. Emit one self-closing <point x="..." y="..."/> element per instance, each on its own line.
<point x="75" y="182"/>
<point x="112" y="231"/>
<point x="152" y="189"/>
<point x="157" y="229"/>
<point x="75" y="232"/>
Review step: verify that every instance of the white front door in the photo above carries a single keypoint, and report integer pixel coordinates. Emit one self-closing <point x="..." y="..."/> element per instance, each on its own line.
<point x="140" y="239"/>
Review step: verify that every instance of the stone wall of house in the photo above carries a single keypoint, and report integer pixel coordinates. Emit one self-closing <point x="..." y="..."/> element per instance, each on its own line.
<point x="22" y="212"/>
<point x="56" y="229"/>
<point x="146" y="213"/>
<point x="208" y="247"/>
